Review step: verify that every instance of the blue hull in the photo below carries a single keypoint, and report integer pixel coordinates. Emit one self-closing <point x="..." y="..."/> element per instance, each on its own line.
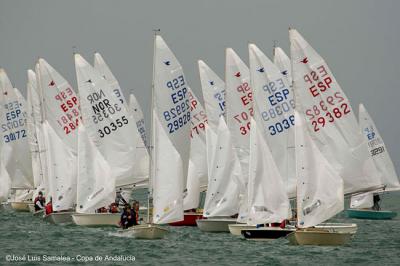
<point x="370" y="214"/>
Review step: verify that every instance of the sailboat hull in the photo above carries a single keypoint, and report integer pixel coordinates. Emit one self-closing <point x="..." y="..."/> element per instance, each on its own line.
<point x="96" y="219"/>
<point x="266" y="233"/>
<point x="215" y="224"/>
<point x="236" y="229"/>
<point x="59" y="217"/>
<point x="188" y="220"/>
<point x="318" y="237"/>
<point x="147" y="231"/>
<point x="20" y="206"/>
<point x="370" y="214"/>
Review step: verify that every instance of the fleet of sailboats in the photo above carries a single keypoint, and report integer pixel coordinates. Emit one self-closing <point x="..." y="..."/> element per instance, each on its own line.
<point x="276" y="148"/>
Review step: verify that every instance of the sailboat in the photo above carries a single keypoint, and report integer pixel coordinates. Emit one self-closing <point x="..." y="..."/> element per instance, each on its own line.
<point x="58" y="141"/>
<point x="362" y="205"/>
<point x="331" y="158"/>
<point x="15" y="149"/>
<point x="272" y="178"/>
<point x="110" y="127"/>
<point x="171" y="143"/>
<point x="222" y="197"/>
<point x="197" y="172"/>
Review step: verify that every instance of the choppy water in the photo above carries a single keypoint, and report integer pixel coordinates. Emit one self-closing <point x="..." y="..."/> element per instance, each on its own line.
<point x="376" y="242"/>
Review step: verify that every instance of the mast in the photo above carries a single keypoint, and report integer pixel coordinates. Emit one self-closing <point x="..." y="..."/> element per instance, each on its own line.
<point x="151" y="141"/>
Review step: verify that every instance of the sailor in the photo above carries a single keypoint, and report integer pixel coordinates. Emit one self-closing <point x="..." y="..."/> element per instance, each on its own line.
<point x="135" y="207"/>
<point x="113" y="208"/>
<point x="39" y="202"/>
<point x="127" y="217"/>
<point x="49" y="207"/>
<point x="376" y="206"/>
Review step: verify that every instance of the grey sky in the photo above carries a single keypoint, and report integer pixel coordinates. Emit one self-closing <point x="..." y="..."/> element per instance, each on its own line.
<point x="359" y="39"/>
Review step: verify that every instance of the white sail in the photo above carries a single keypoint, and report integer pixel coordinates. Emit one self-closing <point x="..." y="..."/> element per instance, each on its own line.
<point x="101" y="66"/>
<point x="62" y="169"/>
<point x="33" y="122"/>
<point x="239" y="109"/>
<point x="60" y="104"/>
<point x="171" y="125"/>
<point x="197" y="172"/>
<point x="378" y="150"/>
<point x="282" y="61"/>
<point x="364" y="200"/>
<point x="95" y="182"/>
<point x="223" y="171"/>
<point x="167" y="181"/>
<point x="108" y="123"/>
<point x="268" y="198"/>
<point x="5" y="183"/>
<point x="319" y="185"/>
<point x="137" y="112"/>
<point x="273" y="104"/>
<point x="17" y="159"/>
<point x="330" y="118"/>
<point x="213" y="93"/>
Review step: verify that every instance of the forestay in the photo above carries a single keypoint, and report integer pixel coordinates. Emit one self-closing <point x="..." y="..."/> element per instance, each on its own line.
<point x="213" y="88"/>
<point x="171" y="125"/>
<point x="378" y="150"/>
<point x="107" y="121"/>
<point x="330" y="118"/>
<point x="273" y="105"/>
<point x="16" y="157"/>
<point x="239" y="109"/>
<point x="95" y="182"/>
<point x="223" y="170"/>
<point x="319" y="185"/>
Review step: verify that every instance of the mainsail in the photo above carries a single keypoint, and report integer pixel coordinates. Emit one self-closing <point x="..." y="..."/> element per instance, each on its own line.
<point x="282" y="61"/>
<point x="378" y="150"/>
<point x="107" y="121"/>
<point x="273" y="105"/>
<point x="213" y="88"/>
<point x="16" y="157"/>
<point x="171" y="134"/>
<point x="137" y="112"/>
<point x="330" y="118"/>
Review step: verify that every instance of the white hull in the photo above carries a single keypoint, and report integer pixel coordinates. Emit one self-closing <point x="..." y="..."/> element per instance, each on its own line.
<point x="96" y="219"/>
<point x="236" y="229"/>
<point x="22" y="206"/>
<point x="147" y="231"/>
<point x="215" y="224"/>
<point x="318" y="238"/>
<point x="59" y="217"/>
<point x="338" y="227"/>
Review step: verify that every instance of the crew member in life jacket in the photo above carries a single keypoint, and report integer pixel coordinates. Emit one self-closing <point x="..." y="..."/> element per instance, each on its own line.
<point x="135" y="209"/>
<point x="49" y="207"/>
<point x="376" y="206"/>
<point x="128" y="217"/>
<point x="39" y="202"/>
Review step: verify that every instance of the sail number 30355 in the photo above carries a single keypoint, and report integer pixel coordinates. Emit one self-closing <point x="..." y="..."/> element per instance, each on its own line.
<point x="106" y="130"/>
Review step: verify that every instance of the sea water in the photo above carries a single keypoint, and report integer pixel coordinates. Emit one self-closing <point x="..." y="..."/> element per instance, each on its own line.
<point x="28" y="240"/>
